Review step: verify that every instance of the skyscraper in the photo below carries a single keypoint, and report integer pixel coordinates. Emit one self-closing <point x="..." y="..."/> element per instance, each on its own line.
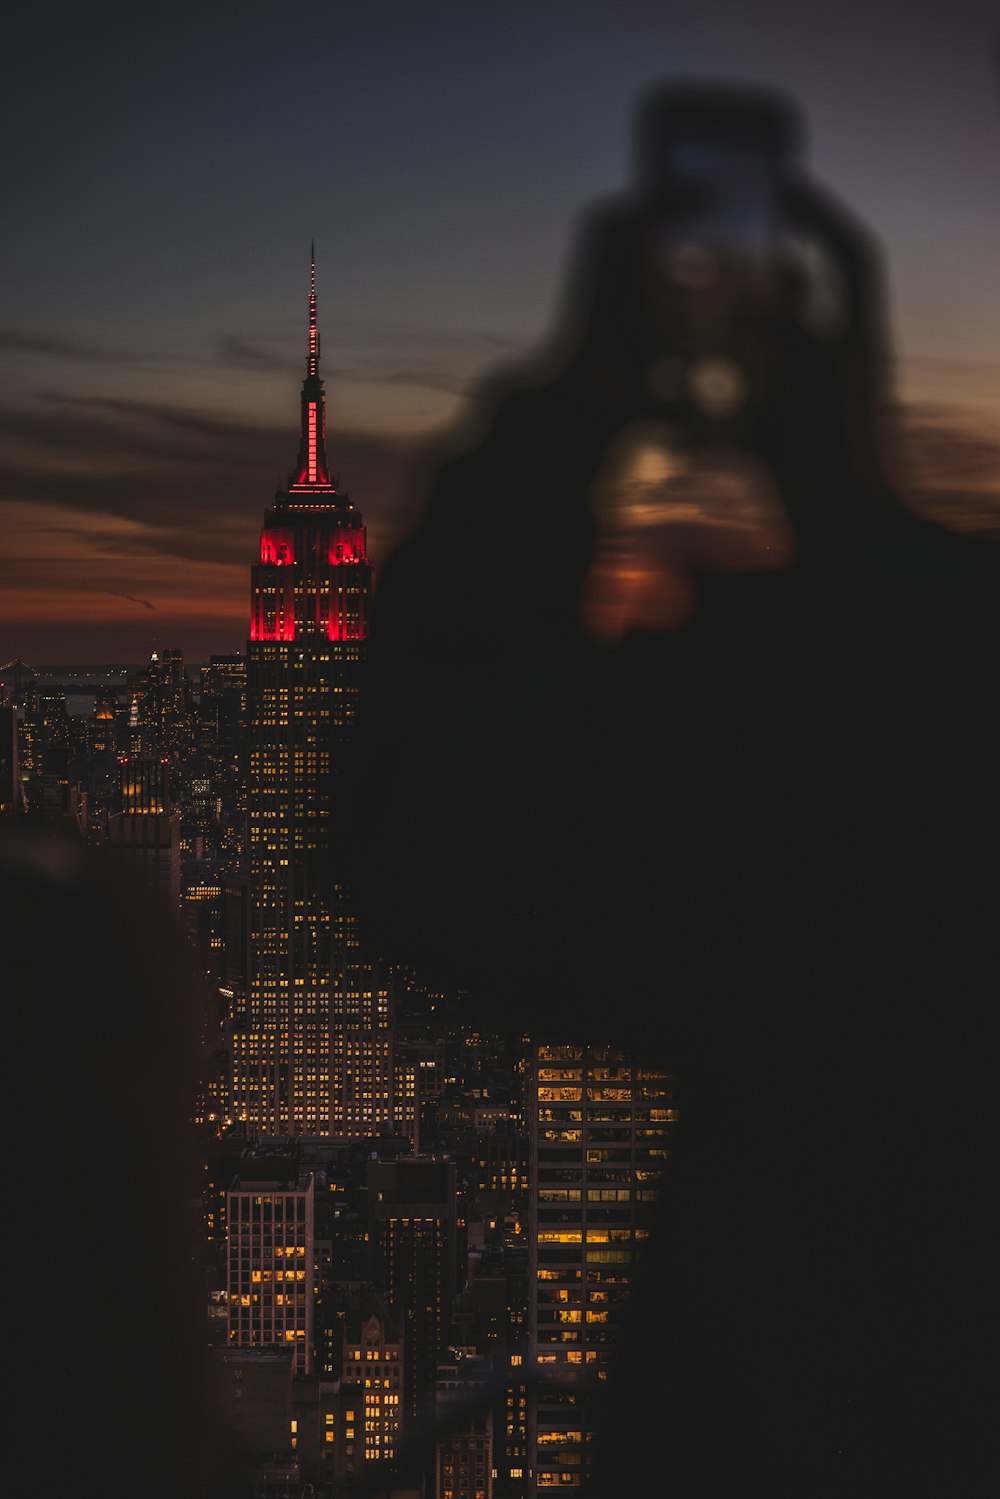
<point x="372" y="1369"/>
<point x="160" y="707"/>
<point x="313" y="1043"/>
<point x="144" y="836"/>
<point x="601" y="1123"/>
<point x="413" y="1240"/>
<point x="271" y="1253"/>
<point x="12" y="800"/>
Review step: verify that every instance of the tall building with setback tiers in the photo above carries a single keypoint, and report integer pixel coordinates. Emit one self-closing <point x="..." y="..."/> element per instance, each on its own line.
<point x="313" y="1037"/>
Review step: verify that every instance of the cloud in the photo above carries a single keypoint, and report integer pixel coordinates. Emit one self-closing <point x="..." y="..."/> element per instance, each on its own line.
<point x="13" y="341"/>
<point x="942" y="444"/>
<point x="231" y="349"/>
<point x="427" y="377"/>
<point x="368" y="333"/>
<point x="180" y="482"/>
<point x="443" y="360"/>
<point x="130" y="596"/>
<point x="103" y="490"/>
<point x="449" y="361"/>
<point x="947" y="465"/>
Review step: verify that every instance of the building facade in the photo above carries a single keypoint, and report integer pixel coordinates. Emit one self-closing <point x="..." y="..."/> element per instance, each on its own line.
<point x="144" y="838"/>
<point x="12" y="798"/>
<point x="271" y="1249"/>
<point x="160" y="708"/>
<point x="413" y="1240"/>
<point x="463" y="1451"/>
<point x="373" y="1372"/>
<point x="601" y="1123"/>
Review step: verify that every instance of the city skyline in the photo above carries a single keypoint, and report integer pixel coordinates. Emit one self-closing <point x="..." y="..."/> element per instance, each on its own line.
<point x="555" y="1041"/>
<point x="168" y="175"/>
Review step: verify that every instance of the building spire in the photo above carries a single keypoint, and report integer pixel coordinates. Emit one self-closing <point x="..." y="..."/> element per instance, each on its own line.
<point x="312" y="361"/>
<point x="312" y="470"/>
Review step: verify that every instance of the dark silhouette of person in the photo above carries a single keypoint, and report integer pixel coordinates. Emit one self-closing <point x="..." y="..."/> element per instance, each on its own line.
<point x="759" y="843"/>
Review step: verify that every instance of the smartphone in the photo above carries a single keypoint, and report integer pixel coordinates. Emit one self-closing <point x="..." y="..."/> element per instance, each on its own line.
<point x="734" y="146"/>
<point x="739" y="215"/>
<point x="712" y="274"/>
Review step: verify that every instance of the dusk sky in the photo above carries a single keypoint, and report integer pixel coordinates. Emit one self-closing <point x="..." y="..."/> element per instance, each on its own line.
<point x="167" y="167"/>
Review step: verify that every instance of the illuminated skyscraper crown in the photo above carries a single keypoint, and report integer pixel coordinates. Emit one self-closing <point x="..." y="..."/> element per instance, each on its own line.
<point x="313" y="579"/>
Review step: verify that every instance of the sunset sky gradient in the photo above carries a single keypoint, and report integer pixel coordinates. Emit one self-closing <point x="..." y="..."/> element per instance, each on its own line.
<point x="166" y="170"/>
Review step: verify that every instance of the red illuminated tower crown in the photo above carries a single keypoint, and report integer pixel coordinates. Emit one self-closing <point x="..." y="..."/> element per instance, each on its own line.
<point x="314" y="577"/>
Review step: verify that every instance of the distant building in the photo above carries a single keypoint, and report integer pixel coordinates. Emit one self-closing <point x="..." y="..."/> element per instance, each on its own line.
<point x="413" y="1235"/>
<point x="271" y="1252"/>
<point x="161" y="707"/>
<point x="12" y="799"/>
<point x="254" y="1387"/>
<point x="44" y="735"/>
<point x="406" y="1100"/>
<point x="497" y="1302"/>
<point x="464" y="1447"/>
<point x="503" y="1163"/>
<point x="145" y="836"/>
<point x="59" y="802"/>
<point x="602" y="1119"/>
<point x="373" y="1371"/>
<point x="222" y="705"/>
<point x="104" y="736"/>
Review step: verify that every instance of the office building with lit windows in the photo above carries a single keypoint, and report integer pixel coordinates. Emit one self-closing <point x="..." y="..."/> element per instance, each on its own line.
<point x="222" y="705"/>
<point x="463" y="1451"/>
<point x="160" y="707"/>
<point x="413" y="1242"/>
<point x="601" y="1120"/>
<point x="373" y="1372"/>
<point x="144" y="838"/>
<point x="12" y="798"/>
<point x="271" y="1262"/>
<point x="312" y="1047"/>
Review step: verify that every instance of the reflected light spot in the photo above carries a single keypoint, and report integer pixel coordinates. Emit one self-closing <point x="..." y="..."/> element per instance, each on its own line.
<point x="663" y="516"/>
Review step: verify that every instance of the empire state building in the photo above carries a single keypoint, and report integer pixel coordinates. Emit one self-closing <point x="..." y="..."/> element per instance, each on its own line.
<point x="312" y="1050"/>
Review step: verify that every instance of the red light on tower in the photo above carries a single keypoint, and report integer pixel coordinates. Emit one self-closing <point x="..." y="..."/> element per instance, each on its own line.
<point x="313" y="576"/>
<point x="312" y="442"/>
<point x="347" y="544"/>
<point x="277" y="545"/>
<point x="312" y="367"/>
<point x="312" y="470"/>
